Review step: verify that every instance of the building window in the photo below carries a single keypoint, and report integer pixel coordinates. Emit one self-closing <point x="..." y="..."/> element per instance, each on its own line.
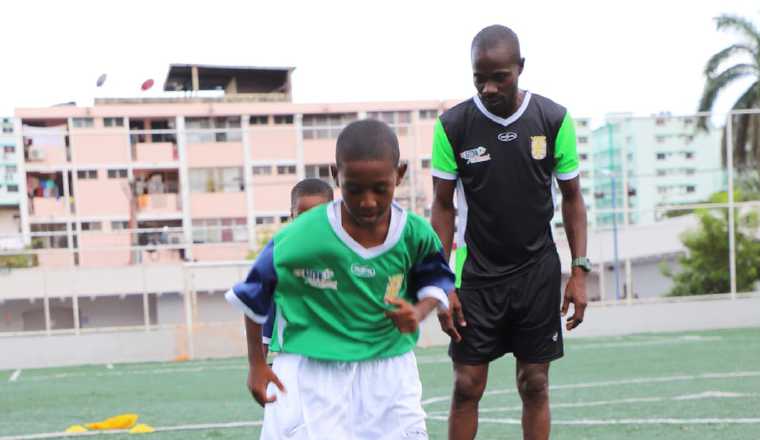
<point x="325" y="126"/>
<point x="286" y="169"/>
<point x="398" y="121"/>
<point x="82" y="122"/>
<point x="660" y="121"/>
<point x="583" y="156"/>
<point x="9" y="149"/>
<point x="425" y="163"/>
<point x="49" y="235"/>
<point x="117" y="174"/>
<point x="220" y="230"/>
<point x="92" y="226"/>
<point x="262" y="170"/>
<point x="662" y="172"/>
<point x="428" y="114"/>
<point x="284" y="218"/>
<point x="113" y="122"/>
<point x="661" y="156"/>
<point x="12" y="188"/>
<point x="582" y="140"/>
<point x="659" y="138"/>
<point x="582" y="122"/>
<point x="283" y="119"/>
<point x="318" y="171"/>
<point x="223" y="179"/>
<point x="87" y="174"/>
<point x="688" y="155"/>
<point x="259" y="120"/>
<point x="689" y="171"/>
<point x="7" y="130"/>
<point x="220" y="129"/>
<point x="690" y="188"/>
<point x="264" y="220"/>
<point x="119" y="225"/>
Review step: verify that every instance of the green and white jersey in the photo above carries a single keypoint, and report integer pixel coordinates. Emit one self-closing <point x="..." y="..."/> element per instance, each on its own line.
<point x="330" y="291"/>
<point x="504" y="169"/>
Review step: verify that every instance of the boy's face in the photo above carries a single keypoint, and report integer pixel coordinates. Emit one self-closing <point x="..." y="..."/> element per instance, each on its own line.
<point x="306" y="202"/>
<point x="367" y="187"/>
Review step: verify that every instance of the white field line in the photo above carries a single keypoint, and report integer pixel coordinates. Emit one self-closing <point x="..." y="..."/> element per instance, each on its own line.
<point x="204" y="426"/>
<point x="109" y="366"/>
<point x="603" y="422"/>
<point x="14" y="376"/>
<point x="700" y="396"/>
<point x="609" y="383"/>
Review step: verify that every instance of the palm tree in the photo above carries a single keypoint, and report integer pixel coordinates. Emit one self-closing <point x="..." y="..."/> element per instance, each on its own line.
<point x="746" y="54"/>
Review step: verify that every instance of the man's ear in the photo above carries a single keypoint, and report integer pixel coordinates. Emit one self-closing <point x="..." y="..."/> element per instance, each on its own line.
<point x="334" y="173"/>
<point x="522" y="64"/>
<point x="401" y="172"/>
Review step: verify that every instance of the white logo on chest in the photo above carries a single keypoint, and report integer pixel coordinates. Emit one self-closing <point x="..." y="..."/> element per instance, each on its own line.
<point x="507" y="136"/>
<point x="362" y="271"/>
<point x="475" y="155"/>
<point x="320" y="279"/>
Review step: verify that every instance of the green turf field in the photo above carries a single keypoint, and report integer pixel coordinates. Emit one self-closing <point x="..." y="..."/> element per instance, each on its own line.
<point x="702" y="385"/>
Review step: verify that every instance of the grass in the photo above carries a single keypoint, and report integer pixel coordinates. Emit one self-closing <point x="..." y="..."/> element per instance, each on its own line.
<point x="634" y="387"/>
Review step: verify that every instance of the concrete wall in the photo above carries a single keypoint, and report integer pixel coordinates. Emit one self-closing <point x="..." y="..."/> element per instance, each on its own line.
<point x="227" y="339"/>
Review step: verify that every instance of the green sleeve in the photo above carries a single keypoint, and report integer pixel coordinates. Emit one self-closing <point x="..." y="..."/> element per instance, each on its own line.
<point x="444" y="163"/>
<point x="565" y="150"/>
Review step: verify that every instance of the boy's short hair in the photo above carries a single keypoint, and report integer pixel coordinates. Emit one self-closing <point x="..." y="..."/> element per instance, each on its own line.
<point x="311" y="187"/>
<point x="367" y="139"/>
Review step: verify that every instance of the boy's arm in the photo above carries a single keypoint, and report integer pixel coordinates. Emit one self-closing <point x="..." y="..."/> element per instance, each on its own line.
<point x="259" y="373"/>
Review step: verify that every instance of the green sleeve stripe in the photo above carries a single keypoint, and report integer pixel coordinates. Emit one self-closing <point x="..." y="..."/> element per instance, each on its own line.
<point x="565" y="150"/>
<point x="443" y="154"/>
<point x="461" y="257"/>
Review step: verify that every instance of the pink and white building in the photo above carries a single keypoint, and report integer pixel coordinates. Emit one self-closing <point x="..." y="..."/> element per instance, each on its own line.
<point x="202" y="174"/>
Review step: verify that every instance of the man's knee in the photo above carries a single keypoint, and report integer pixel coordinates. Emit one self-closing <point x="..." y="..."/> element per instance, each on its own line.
<point x="469" y="387"/>
<point x="533" y="384"/>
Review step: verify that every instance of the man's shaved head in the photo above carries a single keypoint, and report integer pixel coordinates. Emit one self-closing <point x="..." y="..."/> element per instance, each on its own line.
<point x="494" y="36"/>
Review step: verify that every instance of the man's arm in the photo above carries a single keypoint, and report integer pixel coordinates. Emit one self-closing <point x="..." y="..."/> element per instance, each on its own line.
<point x="574" y="219"/>
<point x="442" y="220"/>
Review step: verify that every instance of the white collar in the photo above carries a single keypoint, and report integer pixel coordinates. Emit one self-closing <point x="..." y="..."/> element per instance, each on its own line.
<point x="398" y="221"/>
<point x="499" y="120"/>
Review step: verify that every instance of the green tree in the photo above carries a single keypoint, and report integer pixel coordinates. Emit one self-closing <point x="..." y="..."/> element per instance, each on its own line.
<point x="705" y="267"/>
<point x="737" y="62"/>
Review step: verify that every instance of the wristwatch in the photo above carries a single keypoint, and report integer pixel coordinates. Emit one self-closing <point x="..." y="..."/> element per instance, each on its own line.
<point x="582" y="262"/>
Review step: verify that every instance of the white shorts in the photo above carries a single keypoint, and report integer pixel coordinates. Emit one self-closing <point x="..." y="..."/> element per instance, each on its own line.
<point x="368" y="400"/>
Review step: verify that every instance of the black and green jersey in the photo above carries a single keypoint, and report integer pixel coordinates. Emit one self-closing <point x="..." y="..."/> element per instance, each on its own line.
<point x="505" y="194"/>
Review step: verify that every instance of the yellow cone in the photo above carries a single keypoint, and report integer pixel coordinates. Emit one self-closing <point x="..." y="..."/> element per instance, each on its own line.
<point x="142" y="428"/>
<point x="122" y="421"/>
<point x="76" y="428"/>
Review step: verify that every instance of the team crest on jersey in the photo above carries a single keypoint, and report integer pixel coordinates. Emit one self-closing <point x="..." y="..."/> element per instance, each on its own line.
<point x="321" y="279"/>
<point x="362" y="271"/>
<point x="538" y="147"/>
<point x="394" y="285"/>
<point x="475" y="155"/>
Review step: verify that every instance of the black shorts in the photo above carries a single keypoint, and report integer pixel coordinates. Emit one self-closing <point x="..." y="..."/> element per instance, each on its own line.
<point x="520" y="316"/>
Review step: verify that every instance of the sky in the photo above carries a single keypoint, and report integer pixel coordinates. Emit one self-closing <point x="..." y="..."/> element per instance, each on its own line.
<point x="594" y="57"/>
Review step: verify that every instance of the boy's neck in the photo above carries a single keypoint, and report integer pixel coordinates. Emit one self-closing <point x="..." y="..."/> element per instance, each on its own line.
<point x="367" y="236"/>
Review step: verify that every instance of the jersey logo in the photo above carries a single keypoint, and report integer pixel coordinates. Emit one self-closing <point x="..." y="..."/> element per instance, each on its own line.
<point x="394" y="285"/>
<point x="320" y="279"/>
<point x="538" y="147"/>
<point x="475" y="155"/>
<point x="507" y="136"/>
<point x="362" y="271"/>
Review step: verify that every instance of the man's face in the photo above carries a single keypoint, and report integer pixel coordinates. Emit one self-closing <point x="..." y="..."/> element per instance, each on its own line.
<point x="495" y="71"/>
<point x="367" y="187"/>
<point x="306" y="202"/>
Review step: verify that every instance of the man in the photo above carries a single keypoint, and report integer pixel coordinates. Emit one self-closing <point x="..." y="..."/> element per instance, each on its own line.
<point x="501" y="151"/>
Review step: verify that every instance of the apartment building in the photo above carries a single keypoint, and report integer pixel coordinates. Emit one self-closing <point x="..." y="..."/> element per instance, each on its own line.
<point x="202" y="174"/>
<point x="10" y="218"/>
<point x="662" y="160"/>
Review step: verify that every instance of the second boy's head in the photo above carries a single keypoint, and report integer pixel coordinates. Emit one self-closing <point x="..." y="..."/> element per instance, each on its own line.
<point x="368" y="170"/>
<point x="307" y="194"/>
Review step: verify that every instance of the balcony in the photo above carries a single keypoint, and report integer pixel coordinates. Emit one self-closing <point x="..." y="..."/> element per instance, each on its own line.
<point x="157" y="192"/>
<point x="46" y="145"/>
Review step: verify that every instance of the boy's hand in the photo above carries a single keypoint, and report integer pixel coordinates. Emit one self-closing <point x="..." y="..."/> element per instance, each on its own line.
<point x="405" y="316"/>
<point x="258" y="380"/>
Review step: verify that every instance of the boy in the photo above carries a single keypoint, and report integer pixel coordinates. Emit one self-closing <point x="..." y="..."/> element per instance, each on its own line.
<point x="305" y="195"/>
<point x="344" y="277"/>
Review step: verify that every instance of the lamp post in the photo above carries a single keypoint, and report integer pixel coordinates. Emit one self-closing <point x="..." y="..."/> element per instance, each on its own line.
<point x="611" y="174"/>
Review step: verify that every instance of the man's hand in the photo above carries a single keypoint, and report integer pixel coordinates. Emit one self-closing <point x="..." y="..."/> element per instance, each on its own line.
<point x="446" y="317"/>
<point x="258" y="380"/>
<point x="575" y="292"/>
<point x="405" y="316"/>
